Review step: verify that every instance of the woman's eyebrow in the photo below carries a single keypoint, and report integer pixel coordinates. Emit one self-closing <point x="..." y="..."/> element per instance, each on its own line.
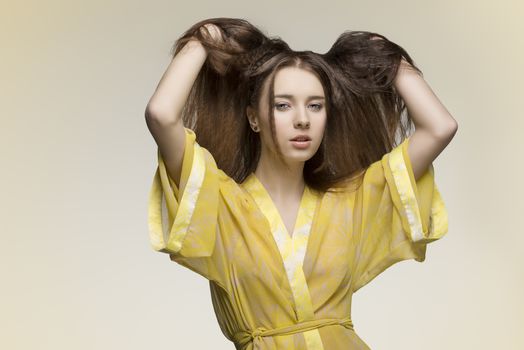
<point x="291" y="97"/>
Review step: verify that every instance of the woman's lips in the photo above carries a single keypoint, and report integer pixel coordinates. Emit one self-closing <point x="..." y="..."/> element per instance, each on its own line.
<point x="301" y="144"/>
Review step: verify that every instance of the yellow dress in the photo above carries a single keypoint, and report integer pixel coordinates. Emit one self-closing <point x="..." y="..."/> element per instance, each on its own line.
<point x="271" y="290"/>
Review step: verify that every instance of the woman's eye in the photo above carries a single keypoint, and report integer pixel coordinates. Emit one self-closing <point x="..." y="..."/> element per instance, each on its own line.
<point x="317" y="106"/>
<point x="278" y="105"/>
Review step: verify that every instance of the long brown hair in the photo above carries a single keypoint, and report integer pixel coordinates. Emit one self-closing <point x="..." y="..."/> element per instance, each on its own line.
<point x="364" y="112"/>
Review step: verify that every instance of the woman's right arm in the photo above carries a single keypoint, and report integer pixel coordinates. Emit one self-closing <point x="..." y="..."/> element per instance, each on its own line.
<point x="163" y="111"/>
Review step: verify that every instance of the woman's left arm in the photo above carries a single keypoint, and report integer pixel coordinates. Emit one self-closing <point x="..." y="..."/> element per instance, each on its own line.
<point x="434" y="125"/>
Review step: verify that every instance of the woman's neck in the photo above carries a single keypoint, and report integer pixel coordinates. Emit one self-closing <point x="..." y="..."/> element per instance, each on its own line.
<point x="282" y="183"/>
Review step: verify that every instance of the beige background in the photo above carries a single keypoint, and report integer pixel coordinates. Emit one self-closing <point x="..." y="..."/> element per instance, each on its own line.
<point x="77" y="163"/>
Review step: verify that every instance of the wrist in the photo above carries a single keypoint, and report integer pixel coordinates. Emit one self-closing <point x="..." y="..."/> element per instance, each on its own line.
<point x="405" y="71"/>
<point x="194" y="45"/>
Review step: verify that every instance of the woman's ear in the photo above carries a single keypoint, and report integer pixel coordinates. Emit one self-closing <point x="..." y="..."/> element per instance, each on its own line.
<point x="251" y="116"/>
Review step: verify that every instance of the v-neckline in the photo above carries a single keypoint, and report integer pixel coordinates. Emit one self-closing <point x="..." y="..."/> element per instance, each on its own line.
<point x="267" y="205"/>
<point x="292" y="248"/>
<point x="286" y="243"/>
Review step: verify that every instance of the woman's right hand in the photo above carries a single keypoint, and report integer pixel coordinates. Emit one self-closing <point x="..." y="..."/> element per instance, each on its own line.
<point x="221" y="49"/>
<point x="214" y="32"/>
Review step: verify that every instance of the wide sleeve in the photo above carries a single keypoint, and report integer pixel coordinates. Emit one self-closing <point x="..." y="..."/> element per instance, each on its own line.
<point x="183" y="221"/>
<point x="399" y="215"/>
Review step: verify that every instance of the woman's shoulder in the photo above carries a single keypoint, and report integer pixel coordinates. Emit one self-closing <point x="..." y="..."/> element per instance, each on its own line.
<point x="229" y="186"/>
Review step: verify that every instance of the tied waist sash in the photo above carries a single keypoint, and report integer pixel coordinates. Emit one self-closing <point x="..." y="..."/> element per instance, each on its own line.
<point x="242" y="338"/>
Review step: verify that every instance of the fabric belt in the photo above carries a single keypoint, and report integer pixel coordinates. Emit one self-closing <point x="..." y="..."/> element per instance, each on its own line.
<point x="243" y="338"/>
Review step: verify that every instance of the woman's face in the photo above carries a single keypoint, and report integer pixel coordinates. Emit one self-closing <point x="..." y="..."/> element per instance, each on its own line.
<point x="299" y="109"/>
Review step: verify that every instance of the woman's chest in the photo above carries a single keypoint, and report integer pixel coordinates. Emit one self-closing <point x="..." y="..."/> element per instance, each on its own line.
<point x="263" y="255"/>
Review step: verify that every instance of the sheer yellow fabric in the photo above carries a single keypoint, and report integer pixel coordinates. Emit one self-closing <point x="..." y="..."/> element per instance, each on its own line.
<point x="399" y="215"/>
<point x="271" y="290"/>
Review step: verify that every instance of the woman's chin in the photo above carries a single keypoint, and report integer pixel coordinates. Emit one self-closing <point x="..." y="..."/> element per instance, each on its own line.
<point x="300" y="156"/>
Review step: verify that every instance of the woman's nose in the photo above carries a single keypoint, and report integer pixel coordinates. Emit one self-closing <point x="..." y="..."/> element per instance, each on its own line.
<point x="302" y="120"/>
<point x="302" y="123"/>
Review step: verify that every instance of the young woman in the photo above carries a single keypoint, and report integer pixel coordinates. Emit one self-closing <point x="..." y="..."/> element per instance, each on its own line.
<point x="287" y="178"/>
